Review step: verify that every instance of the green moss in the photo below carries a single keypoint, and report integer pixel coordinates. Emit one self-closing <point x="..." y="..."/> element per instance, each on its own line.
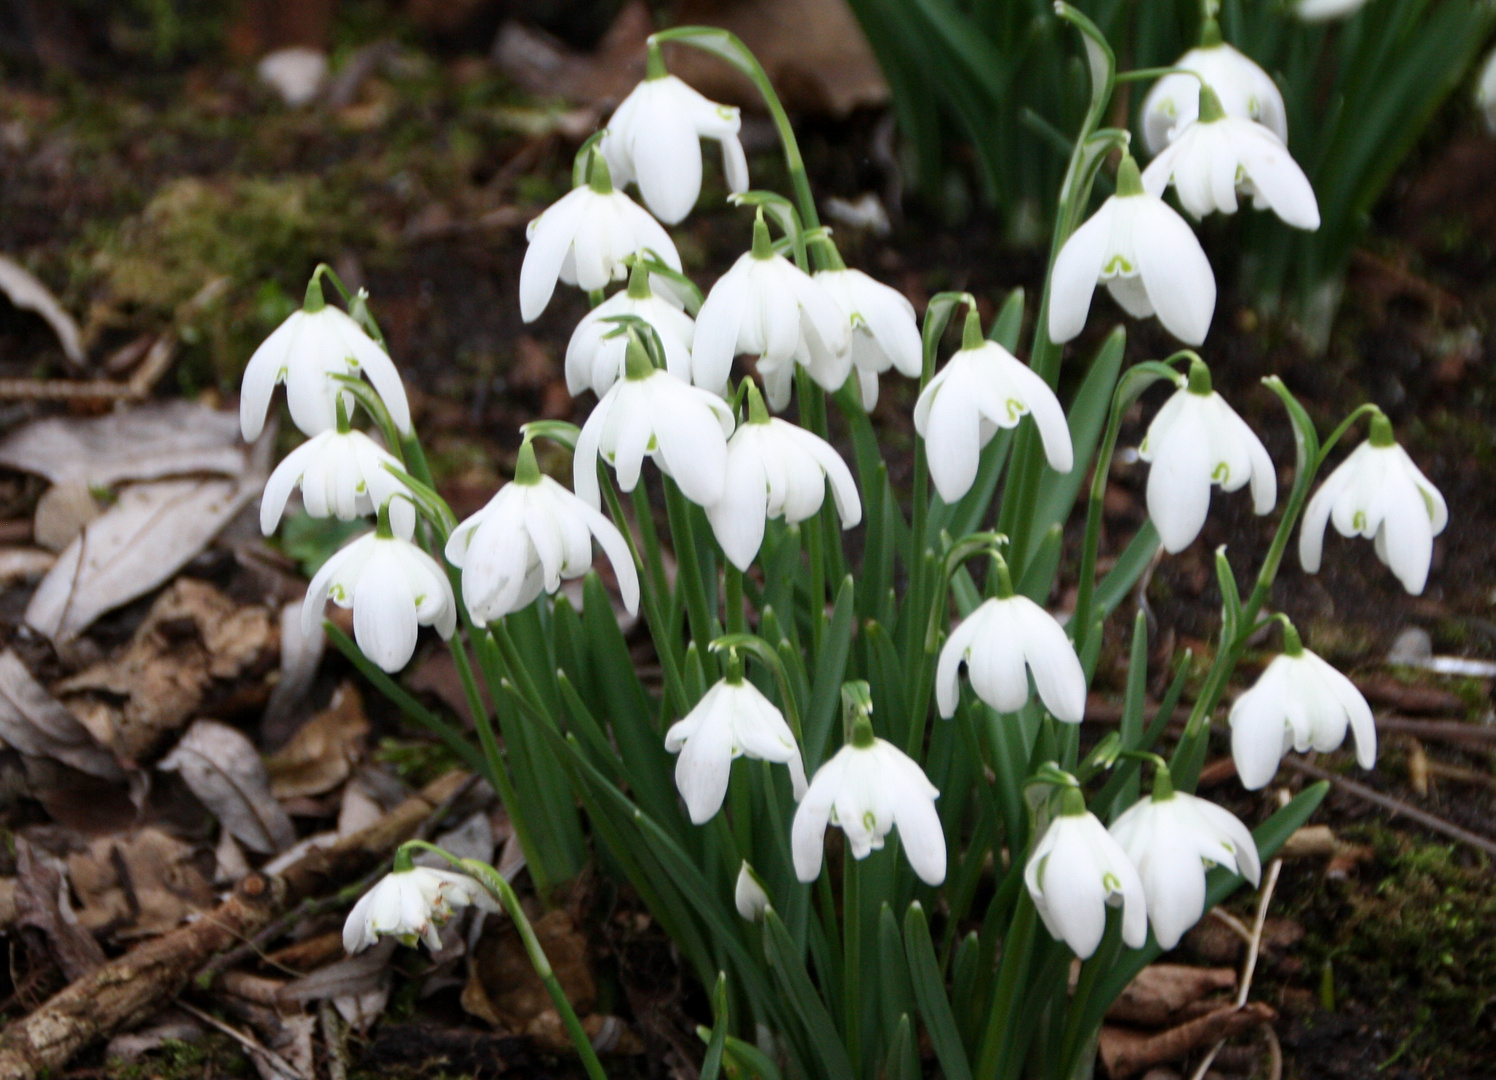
<point x="417" y="763"/>
<point x="212" y="1055"/>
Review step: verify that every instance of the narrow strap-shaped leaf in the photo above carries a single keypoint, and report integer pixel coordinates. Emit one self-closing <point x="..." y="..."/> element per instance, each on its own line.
<point x="711" y="1064"/>
<point x="1008" y="325"/>
<point x="831" y="666"/>
<point x="804" y="1002"/>
<point x="1127" y="569"/>
<point x="930" y="993"/>
<point x="750" y="1058"/>
<point x="902" y="1059"/>
<point x="895" y="997"/>
<point x="965" y="971"/>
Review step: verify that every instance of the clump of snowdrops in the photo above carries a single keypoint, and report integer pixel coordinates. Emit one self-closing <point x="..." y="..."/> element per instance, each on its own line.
<point x="918" y="697"/>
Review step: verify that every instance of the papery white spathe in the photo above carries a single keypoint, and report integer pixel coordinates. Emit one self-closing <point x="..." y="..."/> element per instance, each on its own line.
<point x="341" y="475"/>
<point x="749" y="894"/>
<point x="1378" y="493"/>
<point x="653" y="137"/>
<point x="304" y="352"/>
<point x="732" y="719"/>
<point x="768" y="307"/>
<point x="1243" y="88"/>
<point x="982" y="388"/>
<point x="884" y="331"/>
<point x="1197" y="440"/>
<point x="1218" y="156"/>
<point x="1147" y="256"/>
<point x="776" y="470"/>
<point x="596" y="354"/>
<point x="867" y="790"/>
<point x="1299" y="701"/>
<point x="682" y="427"/>
<point x="1173" y="840"/>
<point x="533" y="534"/>
<point x="412" y="905"/>
<point x="1076" y="870"/>
<point x="584" y="239"/>
<point x="1326" y="10"/>
<point x="1000" y="643"/>
<point x="393" y="587"/>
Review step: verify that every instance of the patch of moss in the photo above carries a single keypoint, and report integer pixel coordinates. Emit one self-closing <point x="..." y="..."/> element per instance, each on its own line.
<point x="212" y="1055"/>
<point x="417" y="763"/>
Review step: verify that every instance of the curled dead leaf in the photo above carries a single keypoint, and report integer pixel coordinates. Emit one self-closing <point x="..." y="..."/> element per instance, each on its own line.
<point x="224" y="770"/>
<point x="25" y="291"/>
<point x="137" y="885"/>
<point x="502" y="987"/>
<point x="322" y="754"/>
<point x="35" y="723"/>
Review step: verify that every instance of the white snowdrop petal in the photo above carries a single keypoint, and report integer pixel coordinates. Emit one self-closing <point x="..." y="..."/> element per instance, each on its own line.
<point x="1076" y="271"/>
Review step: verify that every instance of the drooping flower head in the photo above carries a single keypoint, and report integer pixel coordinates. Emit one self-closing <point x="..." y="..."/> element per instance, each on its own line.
<point x="884" y="331"/>
<point x="598" y="350"/>
<point x="776" y="470"/>
<point x="305" y="352"/>
<point x="1217" y="156"/>
<point x="768" y="307"/>
<point x="654" y="137"/>
<point x="1147" y="256"/>
<point x="1299" y="701"/>
<point x="533" y="534"/>
<point x="585" y="239"/>
<point x="1194" y="442"/>
<point x="411" y="903"/>
<point x="1173" y="838"/>
<point x="1075" y="872"/>
<point x="649" y="411"/>
<point x="868" y="787"/>
<point x="1380" y="494"/>
<point x="1243" y="88"/>
<point x="981" y="389"/>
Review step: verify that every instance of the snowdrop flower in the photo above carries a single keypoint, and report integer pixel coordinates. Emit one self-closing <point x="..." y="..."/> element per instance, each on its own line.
<point x="768" y="307"/>
<point x="1197" y="440"/>
<point x="1327" y="10"/>
<point x="649" y="411"/>
<point x="983" y="388"/>
<point x="996" y="642"/>
<point x="776" y="470"/>
<point x="393" y="588"/>
<point x="530" y="536"/>
<point x="1298" y="701"/>
<point x="411" y="903"/>
<point x="1485" y="91"/>
<point x="653" y="138"/>
<point x="1148" y="257"/>
<point x="342" y="473"/>
<point x="750" y="896"/>
<point x="731" y="720"/>
<point x="1172" y="839"/>
<point x="1380" y="494"/>
<point x="584" y="238"/>
<point x="867" y="788"/>
<point x="1217" y="156"/>
<point x="884" y="333"/>
<point x="1243" y="89"/>
<point x="596" y="355"/>
<point x="304" y="352"/>
<point x="1076" y="870"/>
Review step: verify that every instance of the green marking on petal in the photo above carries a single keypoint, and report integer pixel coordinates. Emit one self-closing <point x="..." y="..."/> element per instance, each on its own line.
<point x="1221" y="473"/>
<point x="1117" y="264"/>
<point x="1016" y="409"/>
<point x="1110" y="883"/>
<point x="1359" y="521"/>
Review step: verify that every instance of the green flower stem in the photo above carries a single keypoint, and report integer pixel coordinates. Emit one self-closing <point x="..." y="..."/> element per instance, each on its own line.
<point x="1141" y="74"/>
<point x="815" y="546"/>
<point x="691" y="576"/>
<point x="374" y="405"/>
<point x="852" y="956"/>
<point x="734" y="619"/>
<point x="1076" y="1039"/>
<point x="495" y="883"/>
<point x="1018" y="946"/>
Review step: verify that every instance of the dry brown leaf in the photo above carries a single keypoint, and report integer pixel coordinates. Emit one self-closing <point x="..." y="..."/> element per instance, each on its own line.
<point x="19" y="564"/>
<point x="224" y="770"/>
<point x="323" y="753"/>
<point x="358" y="985"/>
<point x="25" y="291"/>
<point x="300" y="657"/>
<point x="42" y="901"/>
<point x="1161" y="991"/>
<point x="148" y="442"/>
<point x="139" y="543"/>
<point x="502" y="987"/>
<point x="38" y="725"/>
<point x="1125" y="1052"/>
<point x="138" y="885"/>
<point x="193" y="641"/>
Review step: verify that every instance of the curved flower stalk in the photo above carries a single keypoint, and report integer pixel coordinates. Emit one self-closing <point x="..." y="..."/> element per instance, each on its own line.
<point x="867" y="788"/>
<point x="343" y="474"/>
<point x="1242" y="88"/>
<point x="1000" y="643"/>
<point x="884" y="331"/>
<point x="1076" y="871"/>
<point x="776" y="470"/>
<point x="1218" y="156"/>
<point x="1195" y="441"/>
<point x="732" y="720"/>
<point x="1299" y="701"/>
<point x="411" y="903"/>
<point x="1173" y="838"/>
<point x="393" y="587"/>
<point x="597" y="353"/>
<point x="768" y="307"/>
<point x="654" y="137"/>
<point x="305" y="352"/>
<point x="585" y="238"/>
<point x="1380" y="494"/>
<point x="532" y="535"/>
<point x="649" y="411"/>
<point x="1147" y="256"/>
<point x="982" y="388"/>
